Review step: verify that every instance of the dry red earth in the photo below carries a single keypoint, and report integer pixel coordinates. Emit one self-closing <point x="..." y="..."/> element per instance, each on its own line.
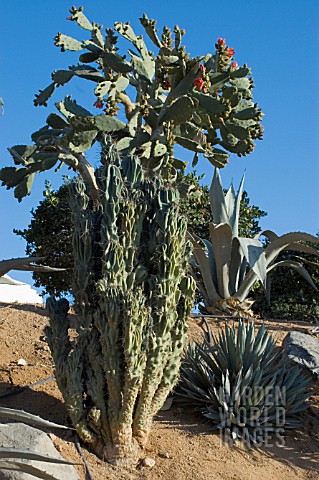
<point x="193" y="451"/>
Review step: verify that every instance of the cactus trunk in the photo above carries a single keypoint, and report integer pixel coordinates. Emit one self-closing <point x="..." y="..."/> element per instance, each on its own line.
<point x="133" y="295"/>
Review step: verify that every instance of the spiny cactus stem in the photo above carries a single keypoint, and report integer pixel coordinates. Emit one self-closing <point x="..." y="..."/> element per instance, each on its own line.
<point x="135" y="360"/>
<point x="68" y="369"/>
<point x="108" y="325"/>
<point x="57" y="333"/>
<point x="152" y="379"/>
<point x="95" y="380"/>
<point x="170" y="373"/>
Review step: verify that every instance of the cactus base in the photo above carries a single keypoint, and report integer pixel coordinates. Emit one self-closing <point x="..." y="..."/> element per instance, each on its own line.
<point x="120" y="455"/>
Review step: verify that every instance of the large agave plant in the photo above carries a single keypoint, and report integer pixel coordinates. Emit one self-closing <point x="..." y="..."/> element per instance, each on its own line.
<point x="239" y="383"/>
<point x="15" y="458"/>
<point x="229" y="265"/>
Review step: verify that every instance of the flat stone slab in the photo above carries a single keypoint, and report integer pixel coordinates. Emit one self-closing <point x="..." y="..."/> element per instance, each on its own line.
<point x="303" y="350"/>
<point x="19" y="435"/>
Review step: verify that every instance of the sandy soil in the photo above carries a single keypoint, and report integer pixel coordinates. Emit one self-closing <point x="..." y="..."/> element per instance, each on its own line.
<point x="182" y="446"/>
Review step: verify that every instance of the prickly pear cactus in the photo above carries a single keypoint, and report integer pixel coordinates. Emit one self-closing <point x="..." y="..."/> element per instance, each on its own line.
<point x="203" y="104"/>
<point x="133" y="295"/>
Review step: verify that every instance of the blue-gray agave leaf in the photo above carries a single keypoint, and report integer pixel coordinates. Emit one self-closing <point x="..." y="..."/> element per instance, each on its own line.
<point x="254" y="253"/>
<point x="217" y="200"/>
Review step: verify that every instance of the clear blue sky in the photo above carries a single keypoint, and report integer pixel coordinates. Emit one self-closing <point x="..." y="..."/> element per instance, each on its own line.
<point x="278" y="39"/>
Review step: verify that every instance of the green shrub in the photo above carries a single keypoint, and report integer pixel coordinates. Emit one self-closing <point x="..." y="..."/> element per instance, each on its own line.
<point x="50" y="234"/>
<point x="291" y="297"/>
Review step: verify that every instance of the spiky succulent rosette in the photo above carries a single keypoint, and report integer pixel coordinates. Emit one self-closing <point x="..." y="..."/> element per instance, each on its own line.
<point x="239" y="382"/>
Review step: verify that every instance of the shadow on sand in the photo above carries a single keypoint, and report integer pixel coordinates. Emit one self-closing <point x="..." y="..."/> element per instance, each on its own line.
<point x="296" y="448"/>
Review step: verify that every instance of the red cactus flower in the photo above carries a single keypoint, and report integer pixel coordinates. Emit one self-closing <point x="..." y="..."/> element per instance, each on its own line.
<point x="199" y="83"/>
<point x="203" y="213"/>
<point x="202" y="68"/>
<point x="98" y="104"/>
<point x="234" y="65"/>
<point x="230" y="52"/>
<point x="166" y="85"/>
<point x="69" y="18"/>
<point x="221" y="41"/>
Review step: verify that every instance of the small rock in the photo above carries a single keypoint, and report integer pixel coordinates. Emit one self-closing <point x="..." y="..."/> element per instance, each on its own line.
<point x="148" y="462"/>
<point x="163" y="454"/>
<point x="19" y="435"/>
<point x="22" y="362"/>
<point x="303" y="350"/>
